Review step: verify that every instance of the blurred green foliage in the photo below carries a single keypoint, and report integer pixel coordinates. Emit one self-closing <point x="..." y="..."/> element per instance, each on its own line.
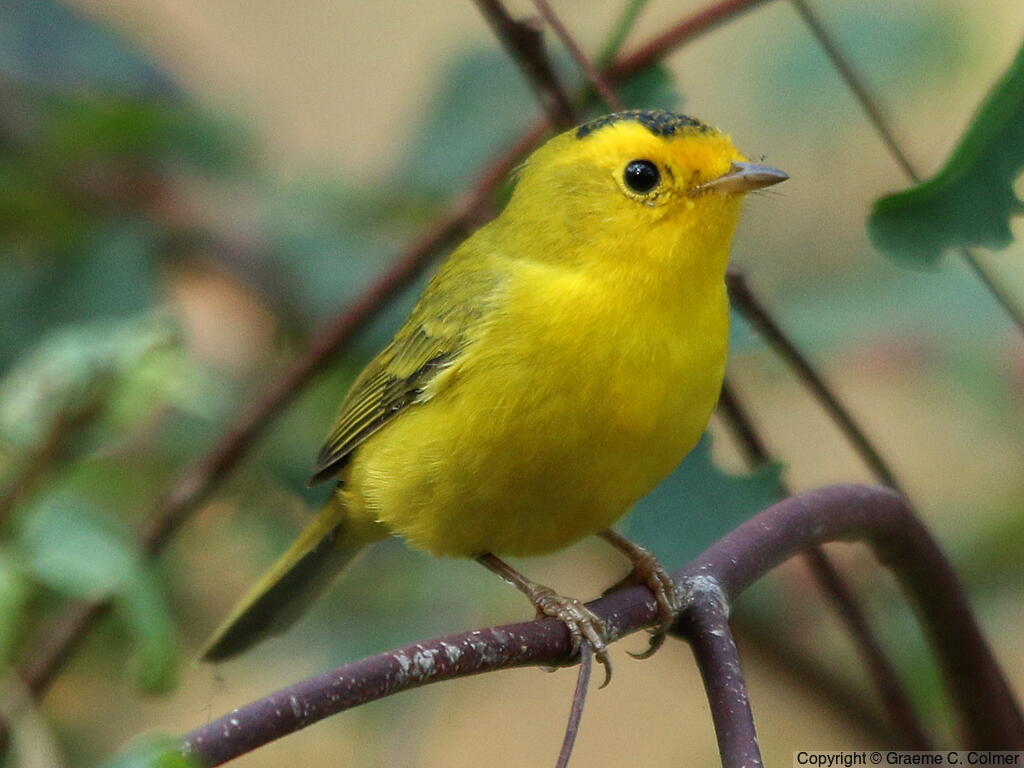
<point x="84" y="555"/>
<point x="969" y="202"/>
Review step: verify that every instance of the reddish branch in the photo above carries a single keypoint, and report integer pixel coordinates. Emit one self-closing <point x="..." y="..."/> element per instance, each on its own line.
<point x="192" y="489"/>
<point x="525" y="44"/>
<point x="582" y="60"/>
<point x="879" y="517"/>
<point x="679" y="34"/>
<point x="50" y="451"/>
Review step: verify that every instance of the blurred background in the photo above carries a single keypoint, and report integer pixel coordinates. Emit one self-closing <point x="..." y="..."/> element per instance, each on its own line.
<point x="188" y="189"/>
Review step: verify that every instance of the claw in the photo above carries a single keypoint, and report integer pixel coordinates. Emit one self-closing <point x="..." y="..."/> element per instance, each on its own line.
<point x="670" y="604"/>
<point x="646" y="570"/>
<point x="583" y="625"/>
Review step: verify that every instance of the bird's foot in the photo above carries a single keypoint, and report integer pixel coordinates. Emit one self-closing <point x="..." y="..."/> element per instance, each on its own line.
<point x="584" y="626"/>
<point x="671" y="601"/>
<point x="647" y="570"/>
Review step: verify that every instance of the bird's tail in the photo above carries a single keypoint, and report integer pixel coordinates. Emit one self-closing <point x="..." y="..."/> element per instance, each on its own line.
<point x="329" y="543"/>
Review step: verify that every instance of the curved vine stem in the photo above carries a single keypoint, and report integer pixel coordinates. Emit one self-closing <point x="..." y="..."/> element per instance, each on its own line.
<point x="879" y="517"/>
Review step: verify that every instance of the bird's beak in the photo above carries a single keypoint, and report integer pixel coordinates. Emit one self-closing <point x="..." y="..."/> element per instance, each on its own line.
<point x="744" y="177"/>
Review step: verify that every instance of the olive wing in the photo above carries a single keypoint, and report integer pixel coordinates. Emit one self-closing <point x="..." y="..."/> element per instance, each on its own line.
<point x="447" y="319"/>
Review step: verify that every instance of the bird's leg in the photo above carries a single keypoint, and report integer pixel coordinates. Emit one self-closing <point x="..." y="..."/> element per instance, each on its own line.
<point x="647" y="570"/>
<point x="583" y="625"/>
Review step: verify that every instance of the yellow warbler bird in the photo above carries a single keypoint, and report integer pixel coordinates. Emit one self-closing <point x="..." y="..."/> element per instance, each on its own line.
<point x="564" y="359"/>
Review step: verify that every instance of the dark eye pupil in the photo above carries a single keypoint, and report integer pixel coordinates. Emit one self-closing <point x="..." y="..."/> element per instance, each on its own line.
<point x="642" y="176"/>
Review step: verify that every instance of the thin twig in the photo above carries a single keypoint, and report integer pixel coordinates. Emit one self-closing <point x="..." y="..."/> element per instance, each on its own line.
<point x="50" y="451"/>
<point x="745" y="434"/>
<point x="855" y="84"/>
<point x="59" y="642"/>
<point x="883" y="673"/>
<point x="874" y="515"/>
<point x="524" y="42"/>
<point x="620" y="31"/>
<point x="194" y="487"/>
<point x="579" y="697"/>
<point x="999" y="293"/>
<point x="819" y="680"/>
<point x="582" y="60"/>
<point x="880" y="123"/>
<point x="756" y="314"/>
<point x="654" y="50"/>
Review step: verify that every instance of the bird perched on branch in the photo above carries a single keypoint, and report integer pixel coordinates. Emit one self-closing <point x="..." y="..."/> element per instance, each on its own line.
<point x="563" y="360"/>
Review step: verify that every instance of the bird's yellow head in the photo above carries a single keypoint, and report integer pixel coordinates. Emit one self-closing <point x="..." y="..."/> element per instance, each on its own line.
<point x="638" y="185"/>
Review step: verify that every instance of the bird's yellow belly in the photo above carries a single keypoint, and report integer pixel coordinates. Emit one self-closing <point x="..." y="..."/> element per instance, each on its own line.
<point x="532" y="447"/>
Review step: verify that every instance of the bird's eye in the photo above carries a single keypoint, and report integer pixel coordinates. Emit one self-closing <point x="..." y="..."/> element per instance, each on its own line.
<point x="641" y="176"/>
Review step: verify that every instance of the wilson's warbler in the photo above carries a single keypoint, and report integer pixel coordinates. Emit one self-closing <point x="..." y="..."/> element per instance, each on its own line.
<point x="564" y="359"/>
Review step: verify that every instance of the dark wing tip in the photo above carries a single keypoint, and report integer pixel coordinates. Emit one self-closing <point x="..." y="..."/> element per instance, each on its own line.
<point x="328" y="464"/>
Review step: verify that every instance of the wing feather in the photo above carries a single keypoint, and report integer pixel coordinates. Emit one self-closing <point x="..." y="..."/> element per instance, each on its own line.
<point x="443" y="324"/>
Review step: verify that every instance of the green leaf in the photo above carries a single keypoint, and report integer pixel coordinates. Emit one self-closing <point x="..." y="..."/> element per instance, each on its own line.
<point x="969" y="202"/>
<point x="699" y="503"/>
<point x="154" y="751"/>
<point x="74" y="550"/>
<point x="80" y="553"/>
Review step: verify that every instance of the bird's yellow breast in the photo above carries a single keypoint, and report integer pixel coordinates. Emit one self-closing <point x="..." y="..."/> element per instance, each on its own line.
<point x="579" y="396"/>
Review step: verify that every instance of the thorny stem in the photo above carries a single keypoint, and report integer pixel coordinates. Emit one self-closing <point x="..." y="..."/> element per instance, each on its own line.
<point x="194" y="487"/>
<point x="524" y="43"/>
<point x="877" y="516"/>
<point x="894" y="698"/>
<point x="579" y="56"/>
<point x="880" y="123"/>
